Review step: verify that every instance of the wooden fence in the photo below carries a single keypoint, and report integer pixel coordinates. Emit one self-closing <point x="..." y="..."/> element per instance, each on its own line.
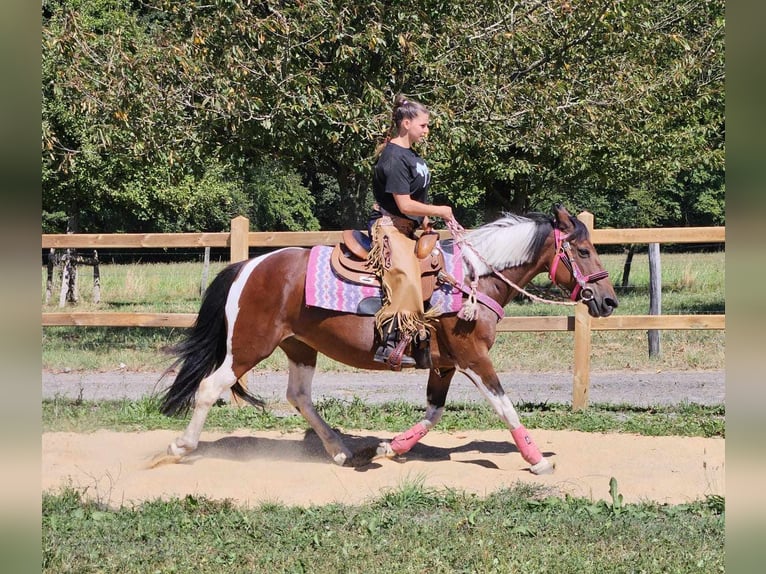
<point x="240" y="239"/>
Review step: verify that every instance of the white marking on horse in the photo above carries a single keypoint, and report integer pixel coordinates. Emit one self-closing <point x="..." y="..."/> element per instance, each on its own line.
<point x="235" y="292"/>
<point x="433" y="416"/>
<point x="502" y="404"/>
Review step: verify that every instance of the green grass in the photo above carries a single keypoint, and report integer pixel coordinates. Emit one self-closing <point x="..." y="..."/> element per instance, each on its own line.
<point x="126" y="415"/>
<point x="692" y="284"/>
<point x="409" y="529"/>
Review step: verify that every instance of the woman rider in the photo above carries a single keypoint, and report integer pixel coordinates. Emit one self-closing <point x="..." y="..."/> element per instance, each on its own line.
<point x="400" y="186"/>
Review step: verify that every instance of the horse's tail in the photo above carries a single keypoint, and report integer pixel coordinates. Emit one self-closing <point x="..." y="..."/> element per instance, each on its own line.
<point x="204" y="347"/>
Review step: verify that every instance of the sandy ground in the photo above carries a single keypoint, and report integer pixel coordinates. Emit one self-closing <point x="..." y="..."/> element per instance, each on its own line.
<point x="254" y="467"/>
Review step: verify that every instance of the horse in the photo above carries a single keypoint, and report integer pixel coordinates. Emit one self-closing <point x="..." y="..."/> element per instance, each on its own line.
<point x="254" y="306"/>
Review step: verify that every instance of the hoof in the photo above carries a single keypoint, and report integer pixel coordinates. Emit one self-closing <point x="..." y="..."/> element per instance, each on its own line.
<point x="384" y="450"/>
<point x="341" y="458"/>
<point x="174" y="449"/>
<point x="362" y="457"/>
<point x="542" y="467"/>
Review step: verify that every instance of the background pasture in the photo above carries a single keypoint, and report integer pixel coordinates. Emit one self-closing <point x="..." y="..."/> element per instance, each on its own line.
<point x="692" y="283"/>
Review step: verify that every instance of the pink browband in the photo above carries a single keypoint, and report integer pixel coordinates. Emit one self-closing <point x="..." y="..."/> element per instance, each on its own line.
<point x="563" y="254"/>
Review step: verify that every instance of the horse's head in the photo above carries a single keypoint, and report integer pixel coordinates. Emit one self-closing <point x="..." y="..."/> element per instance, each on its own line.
<point x="582" y="273"/>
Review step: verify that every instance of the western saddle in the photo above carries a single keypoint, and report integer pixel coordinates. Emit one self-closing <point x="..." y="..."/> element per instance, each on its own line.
<point x="350" y="260"/>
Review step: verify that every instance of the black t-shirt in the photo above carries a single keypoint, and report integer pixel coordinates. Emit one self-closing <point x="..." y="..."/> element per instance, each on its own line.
<point x="399" y="170"/>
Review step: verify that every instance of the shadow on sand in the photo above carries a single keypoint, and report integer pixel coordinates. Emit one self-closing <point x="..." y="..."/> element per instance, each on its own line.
<point x="309" y="448"/>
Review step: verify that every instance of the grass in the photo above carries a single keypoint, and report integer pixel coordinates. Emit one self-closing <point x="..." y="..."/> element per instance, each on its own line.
<point x="692" y="284"/>
<point x="409" y="529"/>
<point x="141" y="415"/>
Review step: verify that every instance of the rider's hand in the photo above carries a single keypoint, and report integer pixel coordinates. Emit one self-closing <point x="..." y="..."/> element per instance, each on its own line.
<point x="445" y="212"/>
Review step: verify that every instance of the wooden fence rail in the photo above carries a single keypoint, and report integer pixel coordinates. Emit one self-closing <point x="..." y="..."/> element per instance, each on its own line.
<point x="240" y="239"/>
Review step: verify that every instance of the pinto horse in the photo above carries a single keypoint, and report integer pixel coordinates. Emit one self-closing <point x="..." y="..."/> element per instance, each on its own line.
<point x="252" y="307"/>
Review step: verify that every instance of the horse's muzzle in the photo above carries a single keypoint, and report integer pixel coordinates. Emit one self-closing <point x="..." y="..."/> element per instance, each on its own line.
<point x="604" y="308"/>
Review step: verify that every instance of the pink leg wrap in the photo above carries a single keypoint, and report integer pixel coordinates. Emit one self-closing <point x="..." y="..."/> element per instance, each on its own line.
<point x="526" y="445"/>
<point x="405" y="441"/>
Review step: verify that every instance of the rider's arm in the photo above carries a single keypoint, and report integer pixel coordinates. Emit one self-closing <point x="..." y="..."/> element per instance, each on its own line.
<point x="409" y="206"/>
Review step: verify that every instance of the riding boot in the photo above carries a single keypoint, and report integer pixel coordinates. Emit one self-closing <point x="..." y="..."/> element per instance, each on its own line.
<point x="421" y="350"/>
<point x="391" y="351"/>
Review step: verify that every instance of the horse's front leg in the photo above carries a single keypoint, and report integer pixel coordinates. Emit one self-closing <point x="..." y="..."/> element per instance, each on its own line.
<point x="486" y="380"/>
<point x="436" y="395"/>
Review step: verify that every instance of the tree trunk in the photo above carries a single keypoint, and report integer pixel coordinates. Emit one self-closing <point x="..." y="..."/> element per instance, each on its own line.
<point x="354" y="200"/>
<point x="626" y="267"/>
<point x="73" y="222"/>
<point x="49" y="281"/>
<point x="506" y="196"/>
<point x="520" y="199"/>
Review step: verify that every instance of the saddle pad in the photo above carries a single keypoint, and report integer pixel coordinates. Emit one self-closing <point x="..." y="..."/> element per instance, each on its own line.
<point x="326" y="290"/>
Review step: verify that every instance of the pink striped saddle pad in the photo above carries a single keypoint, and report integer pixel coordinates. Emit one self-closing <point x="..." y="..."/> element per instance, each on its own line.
<point x="325" y="289"/>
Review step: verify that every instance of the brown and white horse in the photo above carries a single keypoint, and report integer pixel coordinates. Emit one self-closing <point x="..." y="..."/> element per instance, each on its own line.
<point x="253" y="307"/>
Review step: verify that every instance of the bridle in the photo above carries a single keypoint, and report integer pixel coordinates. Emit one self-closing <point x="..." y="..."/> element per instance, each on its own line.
<point x="564" y="254"/>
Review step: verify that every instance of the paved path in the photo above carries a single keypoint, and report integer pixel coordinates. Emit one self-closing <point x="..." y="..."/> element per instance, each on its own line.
<point x="635" y="388"/>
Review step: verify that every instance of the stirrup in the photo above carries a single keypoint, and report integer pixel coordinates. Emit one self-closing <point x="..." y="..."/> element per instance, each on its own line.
<point x="394" y="356"/>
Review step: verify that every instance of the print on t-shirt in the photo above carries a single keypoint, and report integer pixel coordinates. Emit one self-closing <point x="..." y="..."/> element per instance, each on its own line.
<point x="423" y="171"/>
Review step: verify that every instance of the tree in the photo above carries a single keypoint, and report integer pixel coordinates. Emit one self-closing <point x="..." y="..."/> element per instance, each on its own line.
<point x="605" y="105"/>
<point x="616" y="106"/>
<point x="280" y="200"/>
<point x="109" y="161"/>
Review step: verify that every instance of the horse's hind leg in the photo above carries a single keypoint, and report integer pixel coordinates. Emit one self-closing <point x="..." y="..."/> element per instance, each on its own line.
<point x="209" y="391"/>
<point x="438" y="385"/>
<point x="301" y="367"/>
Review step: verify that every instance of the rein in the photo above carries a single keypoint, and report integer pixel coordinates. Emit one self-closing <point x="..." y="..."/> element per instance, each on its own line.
<point x="445" y="277"/>
<point x="468" y="312"/>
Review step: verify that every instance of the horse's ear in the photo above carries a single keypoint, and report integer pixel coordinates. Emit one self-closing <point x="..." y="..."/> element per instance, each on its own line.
<point x="562" y="217"/>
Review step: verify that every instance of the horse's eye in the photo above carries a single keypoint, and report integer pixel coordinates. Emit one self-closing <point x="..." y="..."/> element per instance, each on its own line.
<point x="583" y="252"/>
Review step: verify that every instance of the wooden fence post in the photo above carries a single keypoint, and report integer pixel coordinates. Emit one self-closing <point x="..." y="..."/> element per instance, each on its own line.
<point x="582" y="341"/>
<point x="239" y="251"/>
<point x="238" y="244"/>
<point x="587" y="218"/>
<point x="582" y="349"/>
<point x="655" y="297"/>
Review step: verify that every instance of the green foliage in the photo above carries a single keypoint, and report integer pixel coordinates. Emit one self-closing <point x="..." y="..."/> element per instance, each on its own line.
<point x="152" y="203"/>
<point x="280" y="200"/>
<point x="93" y="55"/>
<point x="617" y="107"/>
<point x="54" y="222"/>
<point x="616" y="505"/>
